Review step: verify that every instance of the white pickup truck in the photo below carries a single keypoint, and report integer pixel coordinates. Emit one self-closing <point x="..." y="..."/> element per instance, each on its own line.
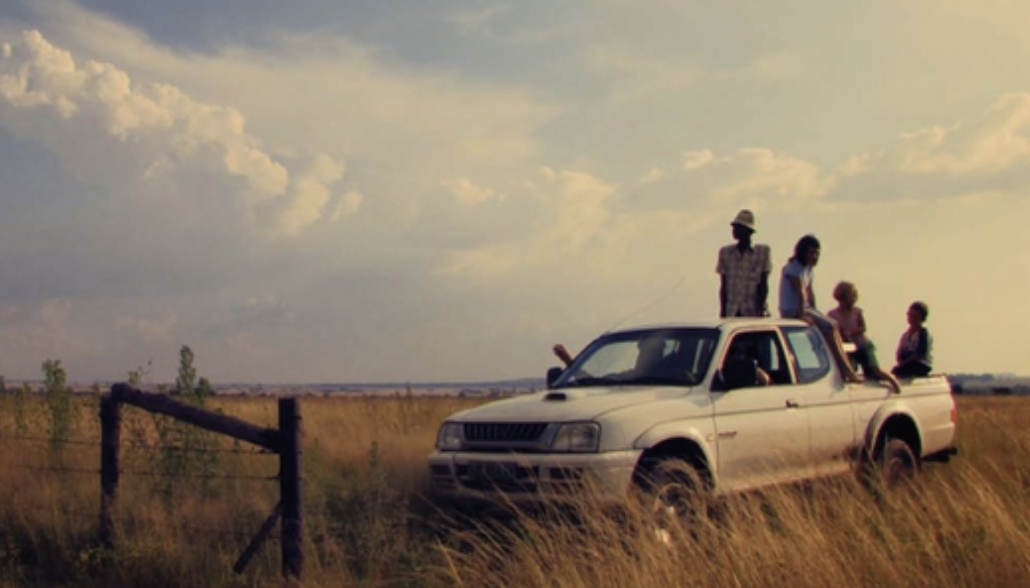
<point x="742" y="403"/>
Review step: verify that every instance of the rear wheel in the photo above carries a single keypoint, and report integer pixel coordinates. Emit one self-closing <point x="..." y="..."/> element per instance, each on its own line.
<point x="894" y="466"/>
<point x="898" y="463"/>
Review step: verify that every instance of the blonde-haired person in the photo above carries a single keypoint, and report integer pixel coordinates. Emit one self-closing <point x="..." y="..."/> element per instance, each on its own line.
<point x="851" y="322"/>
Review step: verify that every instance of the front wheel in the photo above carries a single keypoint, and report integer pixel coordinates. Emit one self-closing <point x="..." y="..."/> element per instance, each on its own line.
<point x="673" y="492"/>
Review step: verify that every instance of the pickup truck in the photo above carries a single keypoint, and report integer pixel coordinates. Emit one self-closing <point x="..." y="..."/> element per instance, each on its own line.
<point x="738" y="403"/>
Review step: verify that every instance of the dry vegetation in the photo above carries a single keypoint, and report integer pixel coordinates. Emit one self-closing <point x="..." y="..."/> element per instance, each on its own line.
<point x="961" y="524"/>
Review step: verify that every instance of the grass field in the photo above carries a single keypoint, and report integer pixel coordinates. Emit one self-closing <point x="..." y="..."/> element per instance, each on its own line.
<point x="182" y="519"/>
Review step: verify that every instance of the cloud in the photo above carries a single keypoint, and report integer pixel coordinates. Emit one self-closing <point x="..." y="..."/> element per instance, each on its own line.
<point x="749" y="178"/>
<point x="990" y="154"/>
<point x="151" y="328"/>
<point x="299" y="204"/>
<point x="467" y="193"/>
<point x="477" y="22"/>
<point x="154" y="136"/>
<point x="42" y="330"/>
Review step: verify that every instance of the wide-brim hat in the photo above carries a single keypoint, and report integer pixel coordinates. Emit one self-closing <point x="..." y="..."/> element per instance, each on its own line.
<point x="746" y="219"/>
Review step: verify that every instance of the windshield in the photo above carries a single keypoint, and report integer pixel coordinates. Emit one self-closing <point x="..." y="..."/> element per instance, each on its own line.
<point x="664" y="357"/>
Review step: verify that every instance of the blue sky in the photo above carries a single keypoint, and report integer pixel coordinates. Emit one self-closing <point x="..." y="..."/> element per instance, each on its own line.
<point x="355" y="191"/>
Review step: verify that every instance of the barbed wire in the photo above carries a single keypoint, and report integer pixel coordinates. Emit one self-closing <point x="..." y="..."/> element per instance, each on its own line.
<point x="147" y="473"/>
<point x="137" y="445"/>
<point x="55" y="441"/>
<point x="60" y="469"/>
<point x="182" y="449"/>
<point x="155" y="474"/>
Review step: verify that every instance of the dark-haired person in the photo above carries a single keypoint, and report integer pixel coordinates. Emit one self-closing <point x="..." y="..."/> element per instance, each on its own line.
<point x="915" y="348"/>
<point x="743" y="270"/>
<point x="797" y="300"/>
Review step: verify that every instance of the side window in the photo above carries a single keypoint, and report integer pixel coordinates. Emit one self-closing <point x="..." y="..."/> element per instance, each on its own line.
<point x="764" y="347"/>
<point x="813" y="361"/>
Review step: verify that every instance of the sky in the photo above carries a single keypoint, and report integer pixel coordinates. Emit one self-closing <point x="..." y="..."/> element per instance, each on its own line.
<point x="390" y="191"/>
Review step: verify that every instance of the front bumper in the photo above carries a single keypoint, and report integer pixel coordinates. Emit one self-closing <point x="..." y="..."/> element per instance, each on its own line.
<point x="532" y="477"/>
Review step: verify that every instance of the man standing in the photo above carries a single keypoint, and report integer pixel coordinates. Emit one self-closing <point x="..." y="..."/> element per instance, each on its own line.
<point x="744" y="272"/>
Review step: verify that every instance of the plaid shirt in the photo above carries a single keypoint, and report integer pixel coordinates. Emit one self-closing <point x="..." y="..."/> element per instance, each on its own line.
<point x="743" y="272"/>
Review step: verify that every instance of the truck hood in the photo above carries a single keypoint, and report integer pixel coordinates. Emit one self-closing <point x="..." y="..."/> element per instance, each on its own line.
<point x="568" y="404"/>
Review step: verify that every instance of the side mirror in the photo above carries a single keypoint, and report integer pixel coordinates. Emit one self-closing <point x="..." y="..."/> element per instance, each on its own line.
<point x="740" y="372"/>
<point x="552" y="375"/>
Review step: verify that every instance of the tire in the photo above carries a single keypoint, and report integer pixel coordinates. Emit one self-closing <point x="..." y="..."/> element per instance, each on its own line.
<point x="898" y="464"/>
<point x="674" y="494"/>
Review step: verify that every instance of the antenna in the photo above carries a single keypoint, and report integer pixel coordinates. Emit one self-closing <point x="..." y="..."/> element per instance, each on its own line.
<point x="648" y="305"/>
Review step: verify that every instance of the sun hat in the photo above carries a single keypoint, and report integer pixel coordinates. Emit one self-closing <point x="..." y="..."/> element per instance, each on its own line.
<point x="746" y="219"/>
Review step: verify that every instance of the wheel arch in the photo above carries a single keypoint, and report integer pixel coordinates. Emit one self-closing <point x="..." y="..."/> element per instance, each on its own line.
<point x="689" y="450"/>
<point x="895" y="425"/>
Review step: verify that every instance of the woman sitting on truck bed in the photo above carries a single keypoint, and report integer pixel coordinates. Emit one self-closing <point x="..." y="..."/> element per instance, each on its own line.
<point x="915" y="347"/>
<point x="798" y="301"/>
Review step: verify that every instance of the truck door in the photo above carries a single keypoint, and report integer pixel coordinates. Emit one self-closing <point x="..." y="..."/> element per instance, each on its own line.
<point x="826" y="399"/>
<point x="761" y="430"/>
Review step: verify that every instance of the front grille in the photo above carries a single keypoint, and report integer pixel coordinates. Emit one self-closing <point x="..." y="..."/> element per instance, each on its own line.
<point x="503" y="432"/>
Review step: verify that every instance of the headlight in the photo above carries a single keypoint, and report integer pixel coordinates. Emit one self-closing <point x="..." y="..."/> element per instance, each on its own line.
<point x="451" y="437"/>
<point x="577" y="438"/>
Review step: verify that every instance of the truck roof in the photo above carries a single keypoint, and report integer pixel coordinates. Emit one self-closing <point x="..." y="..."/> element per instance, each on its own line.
<point x="718" y="323"/>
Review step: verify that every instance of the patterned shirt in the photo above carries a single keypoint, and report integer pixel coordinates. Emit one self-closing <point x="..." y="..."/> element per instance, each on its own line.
<point x="743" y="272"/>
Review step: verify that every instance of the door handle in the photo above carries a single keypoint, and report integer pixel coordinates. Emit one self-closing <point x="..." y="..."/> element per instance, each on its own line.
<point x="791" y="403"/>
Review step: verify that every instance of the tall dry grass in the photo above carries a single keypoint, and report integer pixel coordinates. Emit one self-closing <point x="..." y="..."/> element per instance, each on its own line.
<point x="368" y="522"/>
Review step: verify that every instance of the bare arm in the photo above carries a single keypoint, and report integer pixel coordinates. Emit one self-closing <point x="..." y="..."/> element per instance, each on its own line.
<point x="563" y="354"/>
<point x="795" y="283"/>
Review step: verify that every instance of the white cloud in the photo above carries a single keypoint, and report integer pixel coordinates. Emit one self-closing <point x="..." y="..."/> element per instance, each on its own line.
<point x="347" y="205"/>
<point x="311" y="195"/>
<point x="991" y="154"/>
<point x="151" y="328"/>
<point x="696" y="159"/>
<point x="467" y="193"/>
<point x="493" y="201"/>
<point x="154" y="132"/>
<point x="1000" y="140"/>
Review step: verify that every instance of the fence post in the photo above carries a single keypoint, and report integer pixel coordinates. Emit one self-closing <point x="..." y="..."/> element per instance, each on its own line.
<point x="110" y="439"/>
<point x="290" y="488"/>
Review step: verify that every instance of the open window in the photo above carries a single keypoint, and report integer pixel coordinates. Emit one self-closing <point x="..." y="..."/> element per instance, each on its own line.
<point x="764" y="350"/>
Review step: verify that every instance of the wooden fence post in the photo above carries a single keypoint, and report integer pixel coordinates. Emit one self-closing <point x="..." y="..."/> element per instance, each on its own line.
<point x="290" y="488"/>
<point x="110" y="439"/>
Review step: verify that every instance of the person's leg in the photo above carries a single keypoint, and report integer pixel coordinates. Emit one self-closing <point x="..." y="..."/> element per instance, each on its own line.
<point x="828" y="327"/>
<point x="871" y="367"/>
<point x="911" y="370"/>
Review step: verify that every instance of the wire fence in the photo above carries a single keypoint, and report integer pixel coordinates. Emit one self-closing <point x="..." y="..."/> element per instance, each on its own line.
<point x="149" y="455"/>
<point x="132" y="519"/>
<point x="138" y="445"/>
<point x="145" y="473"/>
